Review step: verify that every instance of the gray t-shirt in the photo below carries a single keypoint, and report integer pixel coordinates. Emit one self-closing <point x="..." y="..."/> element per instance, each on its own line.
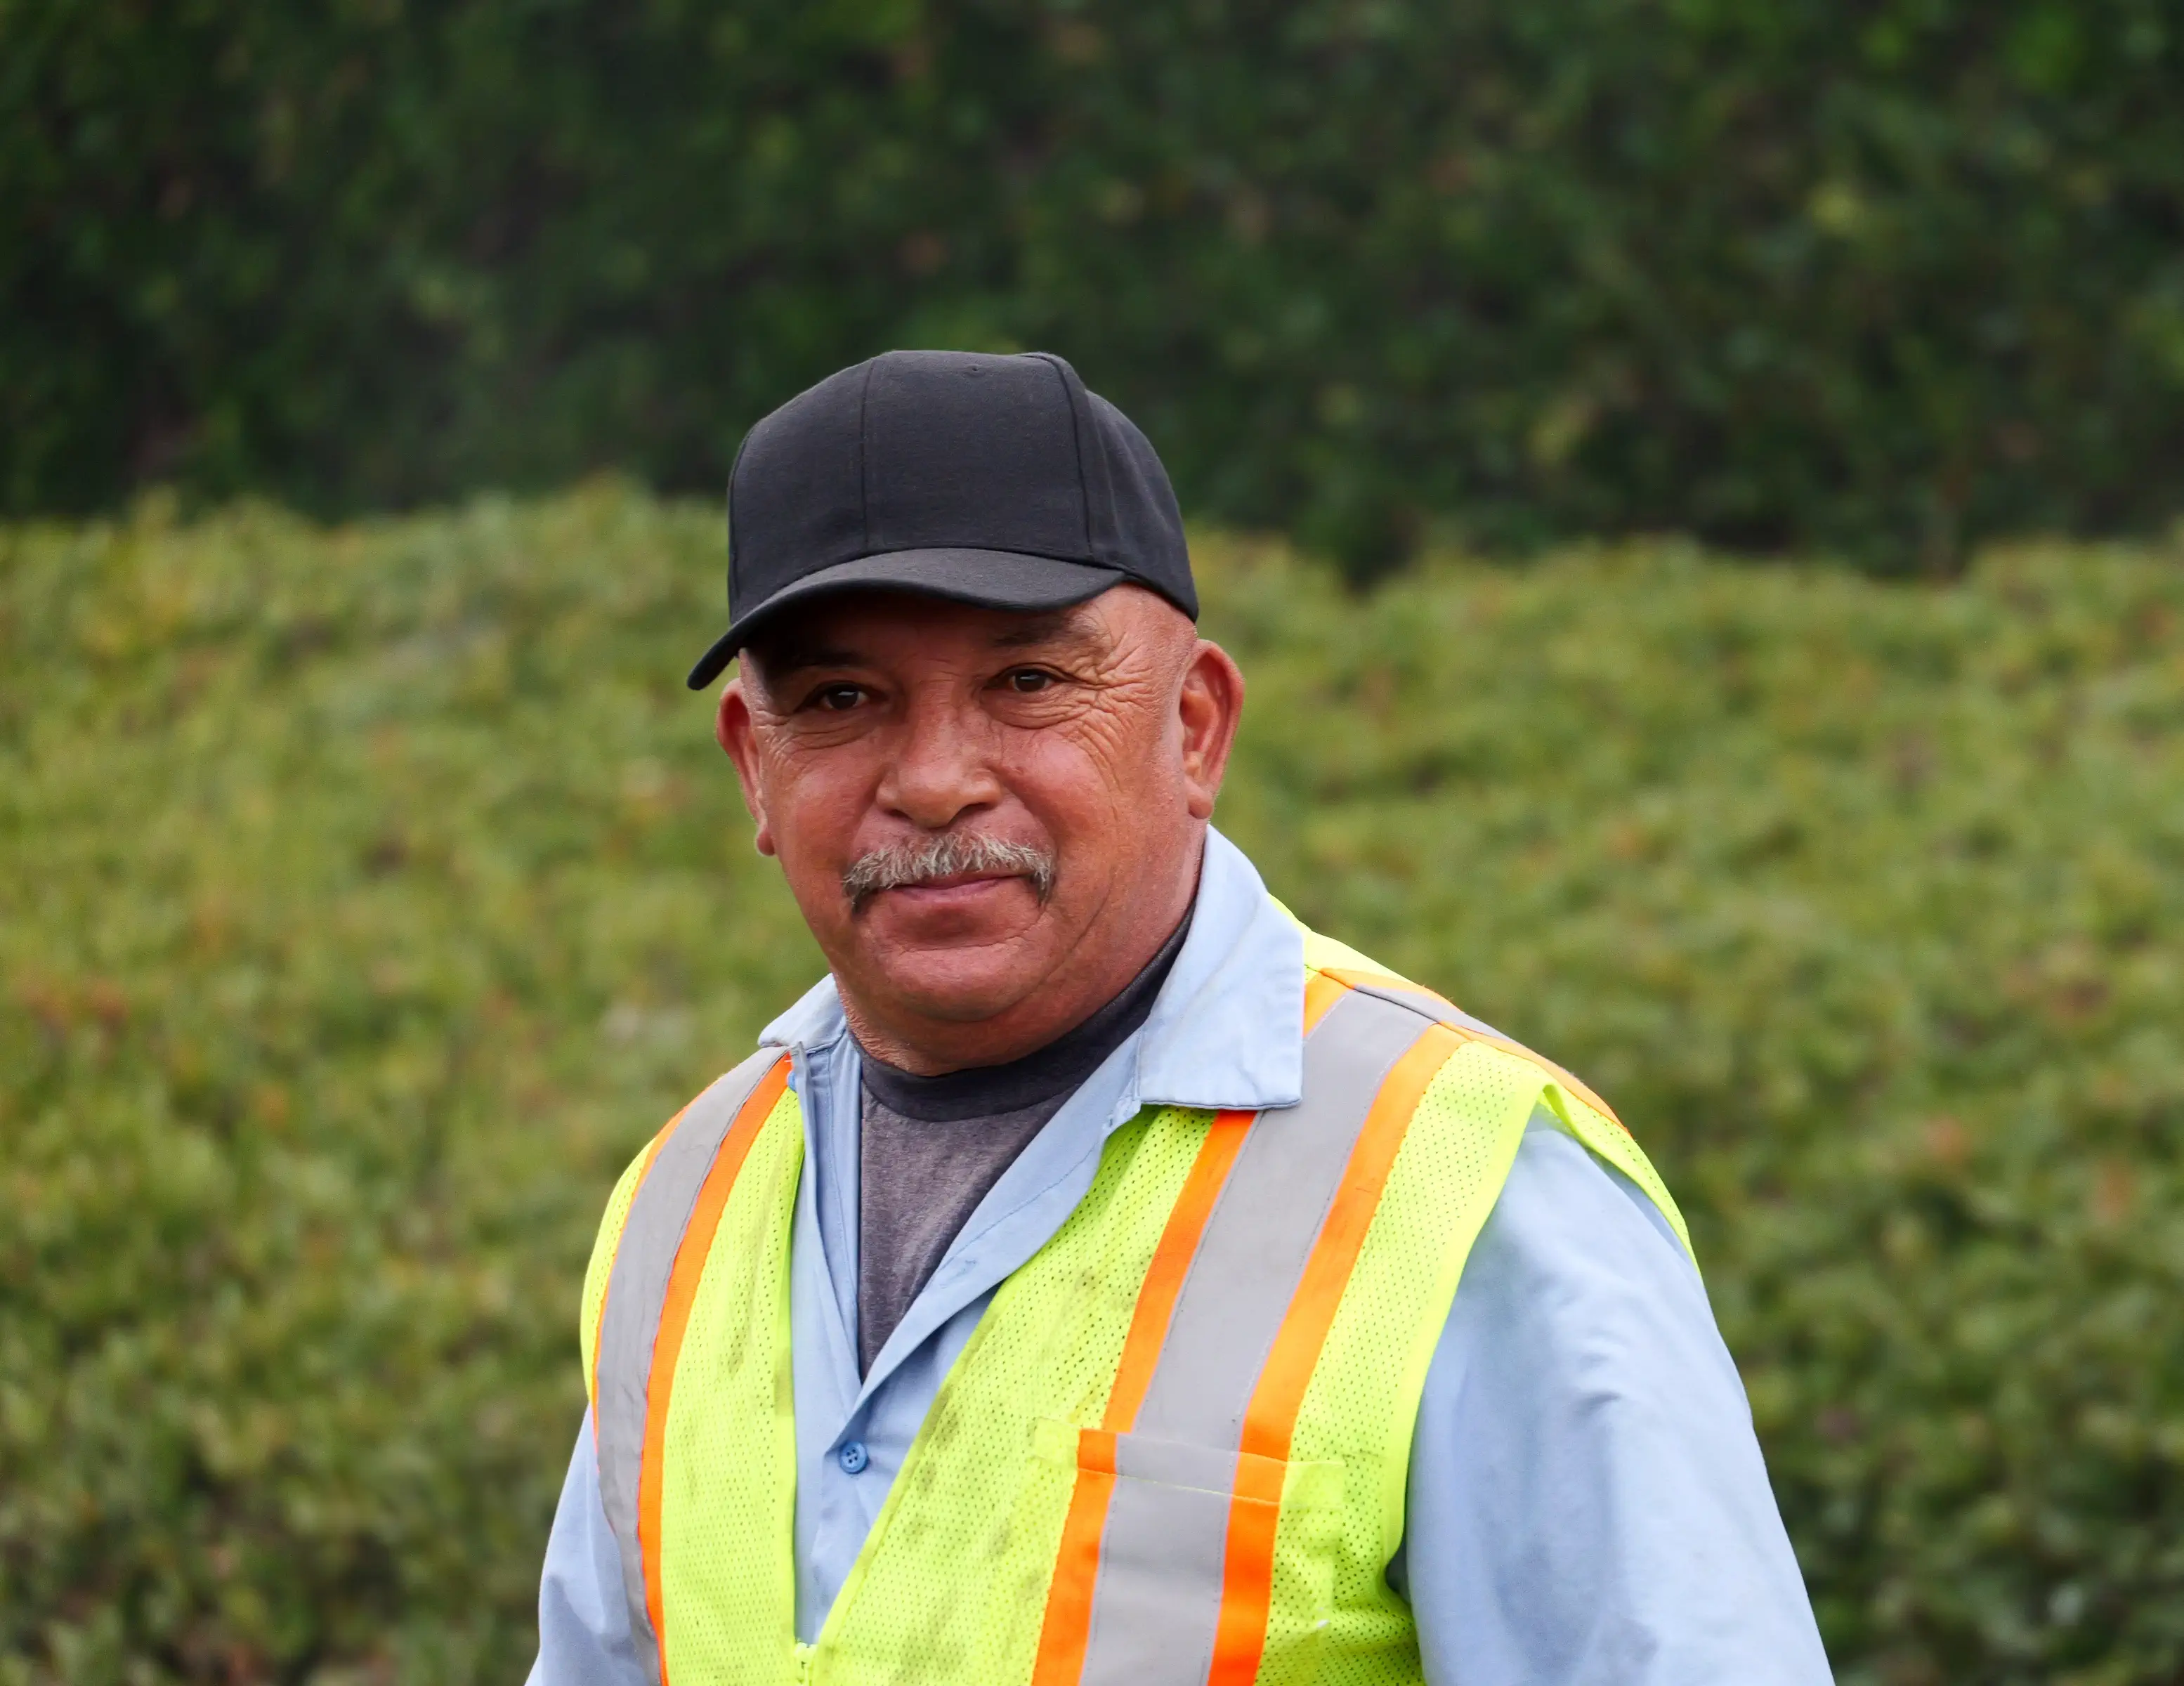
<point x="933" y="1148"/>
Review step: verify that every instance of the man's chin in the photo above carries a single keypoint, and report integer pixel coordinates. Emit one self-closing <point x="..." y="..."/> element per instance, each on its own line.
<point x="971" y="978"/>
<point x="960" y="988"/>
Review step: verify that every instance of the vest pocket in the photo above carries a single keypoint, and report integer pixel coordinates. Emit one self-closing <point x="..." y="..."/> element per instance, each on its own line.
<point x="1186" y="1529"/>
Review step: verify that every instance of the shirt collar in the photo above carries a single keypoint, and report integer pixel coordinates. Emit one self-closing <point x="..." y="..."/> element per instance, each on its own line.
<point x="1227" y="1030"/>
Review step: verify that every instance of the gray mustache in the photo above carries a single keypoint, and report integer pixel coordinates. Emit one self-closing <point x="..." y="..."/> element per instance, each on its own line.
<point x="897" y="864"/>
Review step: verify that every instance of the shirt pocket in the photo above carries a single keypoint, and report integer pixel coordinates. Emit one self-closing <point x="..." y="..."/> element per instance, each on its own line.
<point x="1182" y="1525"/>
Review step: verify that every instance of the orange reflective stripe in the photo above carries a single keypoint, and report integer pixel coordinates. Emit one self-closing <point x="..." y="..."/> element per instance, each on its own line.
<point x="1357" y="979"/>
<point x="1272" y="1414"/>
<point x="1247" y="1582"/>
<point x="674" y="1318"/>
<point x="651" y="1153"/>
<point x="1269" y="1421"/>
<point x="1067" y="1625"/>
<point x="1322" y="990"/>
<point x="1171" y="1264"/>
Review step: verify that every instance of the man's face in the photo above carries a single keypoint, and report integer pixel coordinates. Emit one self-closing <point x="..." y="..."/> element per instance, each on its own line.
<point x="983" y="815"/>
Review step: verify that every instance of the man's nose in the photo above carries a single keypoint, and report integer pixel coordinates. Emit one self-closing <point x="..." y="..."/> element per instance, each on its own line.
<point x="941" y="770"/>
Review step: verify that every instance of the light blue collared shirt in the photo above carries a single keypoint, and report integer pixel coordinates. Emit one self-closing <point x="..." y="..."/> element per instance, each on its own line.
<point x="1587" y="1504"/>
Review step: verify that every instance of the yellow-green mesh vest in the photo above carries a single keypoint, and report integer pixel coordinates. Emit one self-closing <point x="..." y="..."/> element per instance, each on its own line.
<point x="1103" y="1491"/>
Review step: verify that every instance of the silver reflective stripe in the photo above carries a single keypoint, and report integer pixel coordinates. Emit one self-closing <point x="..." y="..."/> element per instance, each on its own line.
<point x="1158" y="1597"/>
<point x="1174" y="1464"/>
<point x="637" y="1291"/>
<point x="1158" y="1600"/>
<point x="1263" y="1225"/>
<point x="1424" y="1001"/>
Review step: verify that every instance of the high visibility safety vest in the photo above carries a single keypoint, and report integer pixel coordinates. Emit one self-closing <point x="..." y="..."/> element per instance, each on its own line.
<point x="1173" y="1450"/>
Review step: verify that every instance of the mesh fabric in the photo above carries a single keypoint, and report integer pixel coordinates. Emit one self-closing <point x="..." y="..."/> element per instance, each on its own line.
<point x="952" y="1582"/>
<point x="1362" y="1400"/>
<point x="728" y="1494"/>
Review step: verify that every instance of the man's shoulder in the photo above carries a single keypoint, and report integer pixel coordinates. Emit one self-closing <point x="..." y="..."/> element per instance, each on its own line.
<point x="1337" y="961"/>
<point x="1572" y="1104"/>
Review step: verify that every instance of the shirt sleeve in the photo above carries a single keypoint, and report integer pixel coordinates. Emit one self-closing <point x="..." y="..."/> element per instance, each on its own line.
<point x="584" y="1622"/>
<point x="1587" y="1502"/>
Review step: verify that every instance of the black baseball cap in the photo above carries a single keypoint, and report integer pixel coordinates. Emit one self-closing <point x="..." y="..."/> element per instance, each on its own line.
<point x="988" y="479"/>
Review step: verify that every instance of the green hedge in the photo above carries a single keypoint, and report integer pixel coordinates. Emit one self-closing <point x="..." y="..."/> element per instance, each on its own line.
<point x="1877" y="277"/>
<point x="368" y="894"/>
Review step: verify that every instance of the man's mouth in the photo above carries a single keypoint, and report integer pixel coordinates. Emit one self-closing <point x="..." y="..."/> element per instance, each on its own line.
<point x="956" y="881"/>
<point x="957" y="889"/>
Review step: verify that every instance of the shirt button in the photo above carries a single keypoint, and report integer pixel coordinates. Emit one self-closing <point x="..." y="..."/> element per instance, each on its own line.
<point x="853" y="1457"/>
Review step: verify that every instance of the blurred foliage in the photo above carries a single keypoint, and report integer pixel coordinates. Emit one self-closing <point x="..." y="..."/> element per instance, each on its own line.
<point x="368" y="894"/>
<point x="1874" y="277"/>
<point x="363" y="895"/>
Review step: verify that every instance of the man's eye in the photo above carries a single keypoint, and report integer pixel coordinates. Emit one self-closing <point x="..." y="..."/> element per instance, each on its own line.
<point x="838" y="698"/>
<point x="1026" y="680"/>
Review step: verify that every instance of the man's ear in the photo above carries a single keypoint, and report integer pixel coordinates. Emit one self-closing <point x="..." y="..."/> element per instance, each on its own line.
<point x="1211" y="704"/>
<point x="736" y="733"/>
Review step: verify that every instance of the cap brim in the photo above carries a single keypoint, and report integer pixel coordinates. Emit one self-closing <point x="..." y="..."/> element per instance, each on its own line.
<point x="992" y="579"/>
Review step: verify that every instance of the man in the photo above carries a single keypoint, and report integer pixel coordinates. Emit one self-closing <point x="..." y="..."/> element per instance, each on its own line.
<point x="1098" y="1276"/>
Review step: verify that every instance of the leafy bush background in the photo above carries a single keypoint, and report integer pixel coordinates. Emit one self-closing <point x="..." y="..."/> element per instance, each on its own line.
<point x="1874" y="276"/>
<point x="367" y="894"/>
